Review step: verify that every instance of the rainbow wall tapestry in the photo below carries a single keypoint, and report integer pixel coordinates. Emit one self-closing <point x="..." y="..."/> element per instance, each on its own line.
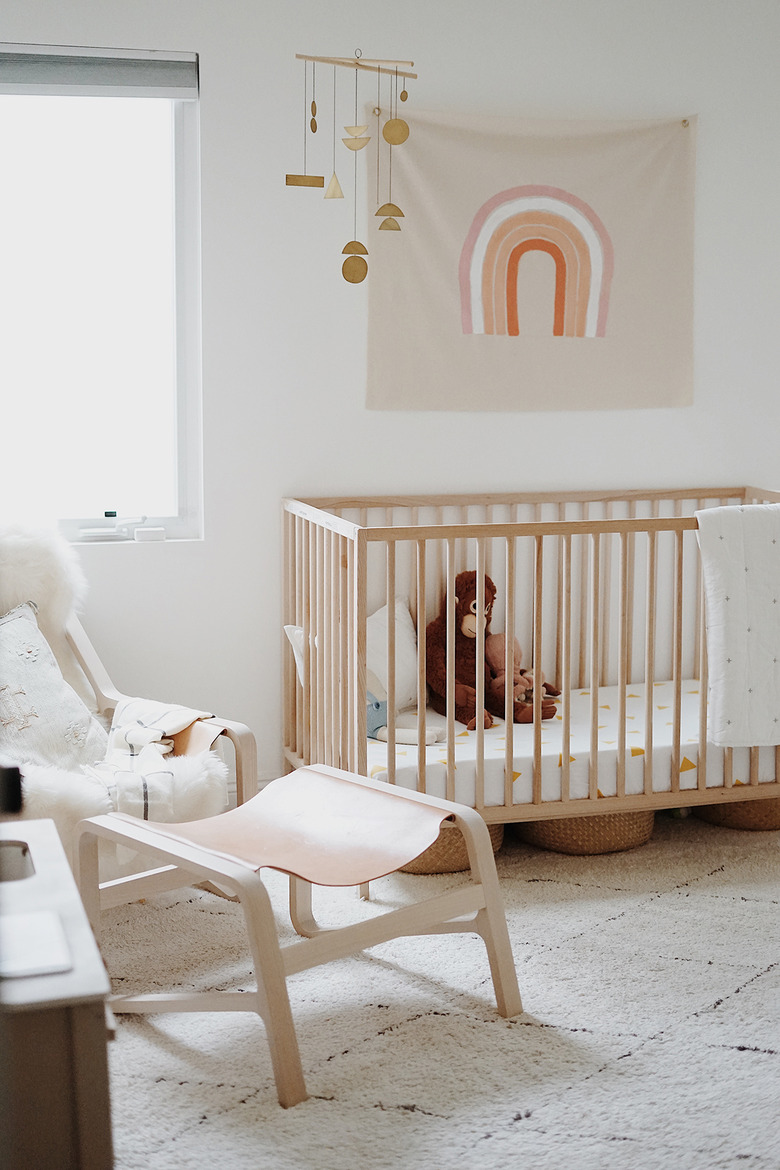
<point x="540" y="266"/>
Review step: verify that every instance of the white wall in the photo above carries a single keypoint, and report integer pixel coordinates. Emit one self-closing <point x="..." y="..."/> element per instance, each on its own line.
<point x="284" y="336"/>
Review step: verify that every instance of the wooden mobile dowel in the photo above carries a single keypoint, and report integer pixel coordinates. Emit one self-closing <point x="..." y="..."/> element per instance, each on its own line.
<point x="371" y="65"/>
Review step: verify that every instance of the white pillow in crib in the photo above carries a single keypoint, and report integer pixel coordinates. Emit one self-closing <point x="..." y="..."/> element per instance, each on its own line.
<point x="405" y="653"/>
<point x="295" y="635"/>
<point x="42" y="719"/>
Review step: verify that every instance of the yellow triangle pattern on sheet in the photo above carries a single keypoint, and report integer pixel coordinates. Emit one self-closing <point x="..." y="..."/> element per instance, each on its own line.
<point x="687" y="766"/>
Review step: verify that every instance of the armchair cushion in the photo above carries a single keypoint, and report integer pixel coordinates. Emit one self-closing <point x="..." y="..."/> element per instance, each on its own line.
<point x="42" y="719"/>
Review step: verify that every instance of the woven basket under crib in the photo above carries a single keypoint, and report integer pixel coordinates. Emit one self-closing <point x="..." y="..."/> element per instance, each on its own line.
<point x="448" y="854"/>
<point x="603" y="833"/>
<point x="755" y="815"/>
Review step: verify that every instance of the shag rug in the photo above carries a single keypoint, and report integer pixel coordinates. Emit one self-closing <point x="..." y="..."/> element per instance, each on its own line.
<point x="650" y="1037"/>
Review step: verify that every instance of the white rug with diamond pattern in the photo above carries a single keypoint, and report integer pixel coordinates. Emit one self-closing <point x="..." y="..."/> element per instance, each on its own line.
<point x="650" y="1038"/>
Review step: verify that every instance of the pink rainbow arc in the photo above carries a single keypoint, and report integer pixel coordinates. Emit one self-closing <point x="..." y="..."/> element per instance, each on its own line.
<point x="543" y="219"/>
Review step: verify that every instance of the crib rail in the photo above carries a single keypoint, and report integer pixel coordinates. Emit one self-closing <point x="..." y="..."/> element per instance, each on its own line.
<point x="601" y="589"/>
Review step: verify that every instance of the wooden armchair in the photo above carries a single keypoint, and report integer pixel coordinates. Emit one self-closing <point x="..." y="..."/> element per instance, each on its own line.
<point x="57" y="700"/>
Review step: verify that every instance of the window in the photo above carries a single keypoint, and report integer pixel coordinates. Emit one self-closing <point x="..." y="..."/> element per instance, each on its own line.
<point x="99" y="289"/>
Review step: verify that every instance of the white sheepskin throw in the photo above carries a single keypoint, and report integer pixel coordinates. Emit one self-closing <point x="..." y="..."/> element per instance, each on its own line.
<point x="39" y="565"/>
<point x="197" y="788"/>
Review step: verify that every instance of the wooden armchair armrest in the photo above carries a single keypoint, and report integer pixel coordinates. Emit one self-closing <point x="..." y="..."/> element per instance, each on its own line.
<point x="199" y="737"/>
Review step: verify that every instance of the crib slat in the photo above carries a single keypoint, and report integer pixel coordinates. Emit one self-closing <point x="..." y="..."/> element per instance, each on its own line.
<point x="479" y="779"/>
<point x="606" y="599"/>
<point x="509" y="755"/>
<point x="359" y="605"/>
<point x="561" y="512"/>
<point x="677" y="660"/>
<point x="308" y="638"/>
<point x="289" y="680"/>
<point x="414" y="516"/>
<point x="583" y="594"/>
<point x="593" y="773"/>
<point x="391" y="643"/>
<point x="450" y="687"/>
<point x="537" y="664"/>
<point x="623" y="629"/>
<point x="421" y="649"/>
<point x="650" y="654"/>
<point x="701" y="773"/>
<point x="344" y="628"/>
<point x="630" y="593"/>
<point x="320" y="643"/>
<point x="422" y="623"/>
<point x="565" y="678"/>
<point x="331" y="671"/>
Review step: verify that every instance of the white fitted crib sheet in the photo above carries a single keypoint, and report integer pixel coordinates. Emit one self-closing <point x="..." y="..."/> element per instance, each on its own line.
<point x="406" y="756"/>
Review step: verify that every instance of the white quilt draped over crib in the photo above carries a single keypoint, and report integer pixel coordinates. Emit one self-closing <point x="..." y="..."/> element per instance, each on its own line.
<point x="740" y="554"/>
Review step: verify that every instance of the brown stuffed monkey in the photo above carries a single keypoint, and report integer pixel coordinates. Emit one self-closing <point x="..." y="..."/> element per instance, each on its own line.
<point x="467" y="623"/>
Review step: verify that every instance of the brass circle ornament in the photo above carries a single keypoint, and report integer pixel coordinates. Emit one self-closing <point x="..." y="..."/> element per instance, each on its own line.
<point x="395" y="131"/>
<point x="354" y="269"/>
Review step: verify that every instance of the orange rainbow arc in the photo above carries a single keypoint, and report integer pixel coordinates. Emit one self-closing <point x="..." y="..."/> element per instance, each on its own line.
<point x="536" y="219"/>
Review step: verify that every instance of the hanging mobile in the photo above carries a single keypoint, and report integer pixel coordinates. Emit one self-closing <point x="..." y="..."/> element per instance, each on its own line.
<point x="334" y="186"/>
<point x="355" y="268"/>
<point x="395" y="131"/>
<point x="391" y="211"/>
<point x="307" y="180"/>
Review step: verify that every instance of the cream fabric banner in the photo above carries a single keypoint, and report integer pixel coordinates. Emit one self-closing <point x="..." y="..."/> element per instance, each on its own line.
<point x="540" y="266"/>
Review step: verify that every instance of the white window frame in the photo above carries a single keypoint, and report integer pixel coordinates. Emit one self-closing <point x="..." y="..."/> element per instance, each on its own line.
<point x="75" y="70"/>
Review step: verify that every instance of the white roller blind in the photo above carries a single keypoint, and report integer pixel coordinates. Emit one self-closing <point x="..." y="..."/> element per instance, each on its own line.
<point x="56" y="70"/>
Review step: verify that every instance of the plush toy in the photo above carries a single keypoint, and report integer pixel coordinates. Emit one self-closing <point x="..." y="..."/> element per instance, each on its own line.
<point x="468" y="621"/>
<point x="522" y="682"/>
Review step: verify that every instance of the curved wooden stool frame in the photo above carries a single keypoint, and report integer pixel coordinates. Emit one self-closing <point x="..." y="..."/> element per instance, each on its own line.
<point x="321" y="826"/>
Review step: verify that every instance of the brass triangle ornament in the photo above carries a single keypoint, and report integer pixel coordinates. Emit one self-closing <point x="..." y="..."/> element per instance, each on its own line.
<point x="334" y="188"/>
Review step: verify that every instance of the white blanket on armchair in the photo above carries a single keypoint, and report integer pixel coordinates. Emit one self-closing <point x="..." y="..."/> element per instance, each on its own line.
<point x="740" y="554"/>
<point x="135" y="771"/>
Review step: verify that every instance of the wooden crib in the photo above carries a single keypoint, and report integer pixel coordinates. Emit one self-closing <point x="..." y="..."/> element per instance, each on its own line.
<point x="603" y="591"/>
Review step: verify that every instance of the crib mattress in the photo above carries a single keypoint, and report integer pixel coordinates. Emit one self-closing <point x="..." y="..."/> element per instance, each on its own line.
<point x="406" y="756"/>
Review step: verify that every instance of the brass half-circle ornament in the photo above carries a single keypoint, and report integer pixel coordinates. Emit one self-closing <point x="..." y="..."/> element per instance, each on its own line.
<point x="356" y="131"/>
<point x="355" y="143"/>
<point x="390" y="224"/>
<point x="390" y="209"/>
<point x="395" y="131"/>
<point x="354" y="248"/>
<point x="354" y="269"/>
